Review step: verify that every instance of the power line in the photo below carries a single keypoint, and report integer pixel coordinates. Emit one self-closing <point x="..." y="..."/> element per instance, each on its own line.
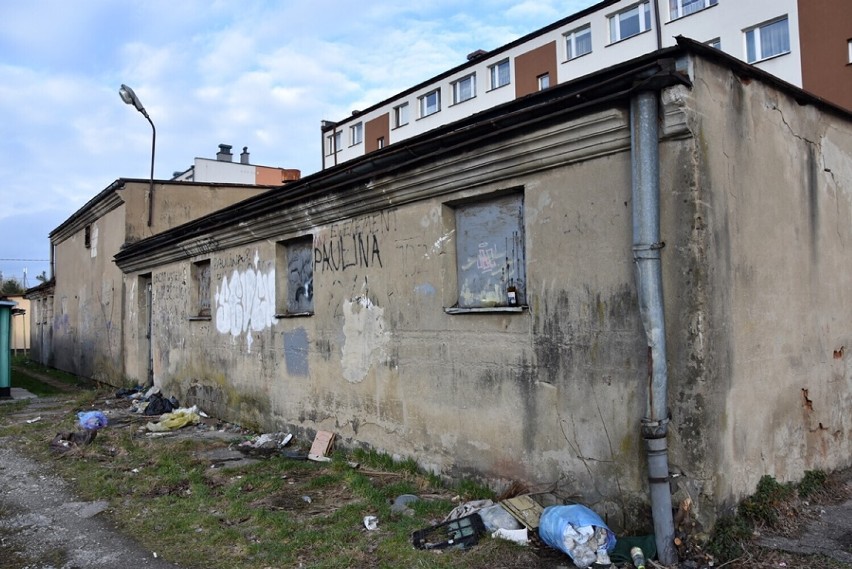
<point x="28" y="260"/>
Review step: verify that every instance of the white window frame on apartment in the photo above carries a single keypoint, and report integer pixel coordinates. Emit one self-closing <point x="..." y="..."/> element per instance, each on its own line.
<point x="543" y="81"/>
<point x="334" y="141"/>
<point x="715" y="43"/>
<point x="849" y="48"/>
<point x="643" y="14"/>
<point x="356" y="134"/>
<point x="427" y="108"/>
<point x="495" y="74"/>
<point x="755" y="47"/>
<point x="683" y="8"/>
<point x="400" y="115"/>
<point x="464" y="88"/>
<point x="575" y="42"/>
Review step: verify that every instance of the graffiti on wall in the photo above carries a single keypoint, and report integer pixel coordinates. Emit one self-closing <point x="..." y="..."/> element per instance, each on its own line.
<point x="300" y="276"/>
<point x="245" y="301"/>
<point x="354" y="242"/>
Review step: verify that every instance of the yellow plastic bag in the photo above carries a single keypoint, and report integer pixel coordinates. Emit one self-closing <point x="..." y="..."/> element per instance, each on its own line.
<point x="175" y="420"/>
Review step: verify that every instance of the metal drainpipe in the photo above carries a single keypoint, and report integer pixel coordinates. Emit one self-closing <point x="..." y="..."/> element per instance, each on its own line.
<point x="644" y="134"/>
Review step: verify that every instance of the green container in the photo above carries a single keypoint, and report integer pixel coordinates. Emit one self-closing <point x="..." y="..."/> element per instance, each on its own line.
<point x="6" y="348"/>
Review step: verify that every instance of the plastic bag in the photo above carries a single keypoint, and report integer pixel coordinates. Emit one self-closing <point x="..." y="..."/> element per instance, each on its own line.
<point x="577" y="531"/>
<point x="92" y="420"/>
<point x="175" y="420"/>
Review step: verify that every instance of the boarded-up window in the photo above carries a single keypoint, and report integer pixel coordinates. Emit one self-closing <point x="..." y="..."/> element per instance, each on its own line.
<point x="490" y="252"/>
<point x="201" y="285"/>
<point x="295" y="274"/>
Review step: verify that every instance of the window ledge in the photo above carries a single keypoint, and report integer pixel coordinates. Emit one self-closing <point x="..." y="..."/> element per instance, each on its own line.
<point x="616" y="42"/>
<point x="576" y="57"/>
<point x="486" y="309"/>
<point x="756" y="61"/>
<point x="294" y="314"/>
<point x="462" y="102"/>
<point x="499" y="87"/>
<point x="200" y="318"/>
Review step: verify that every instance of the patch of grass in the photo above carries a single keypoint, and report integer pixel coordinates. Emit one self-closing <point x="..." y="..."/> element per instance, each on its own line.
<point x="23" y="362"/>
<point x="33" y="385"/>
<point x="255" y="516"/>
<point x="763" y="506"/>
<point x="813" y="482"/>
<point x="730" y="534"/>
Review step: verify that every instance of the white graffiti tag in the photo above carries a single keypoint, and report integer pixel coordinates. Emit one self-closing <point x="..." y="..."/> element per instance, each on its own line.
<point x="246" y="303"/>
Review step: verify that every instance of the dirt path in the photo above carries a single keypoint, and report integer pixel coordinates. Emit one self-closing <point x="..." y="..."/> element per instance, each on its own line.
<point x="61" y="386"/>
<point x="43" y="526"/>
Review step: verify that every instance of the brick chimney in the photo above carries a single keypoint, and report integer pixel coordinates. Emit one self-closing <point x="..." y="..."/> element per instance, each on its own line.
<point x="244" y="155"/>
<point x="224" y="154"/>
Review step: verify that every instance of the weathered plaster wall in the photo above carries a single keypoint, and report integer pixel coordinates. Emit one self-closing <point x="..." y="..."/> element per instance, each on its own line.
<point x="755" y="217"/>
<point x="176" y="203"/>
<point x="763" y="381"/>
<point x="552" y="394"/>
<point x="87" y="314"/>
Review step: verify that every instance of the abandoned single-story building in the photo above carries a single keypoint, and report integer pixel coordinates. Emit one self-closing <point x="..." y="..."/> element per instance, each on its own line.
<point x="661" y="243"/>
<point x="77" y="318"/>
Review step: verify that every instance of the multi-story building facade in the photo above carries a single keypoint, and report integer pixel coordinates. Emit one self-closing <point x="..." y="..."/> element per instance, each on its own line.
<point x="807" y="43"/>
<point x="224" y="170"/>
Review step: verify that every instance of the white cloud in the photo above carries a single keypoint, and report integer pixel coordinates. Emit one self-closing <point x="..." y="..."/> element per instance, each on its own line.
<point x="253" y="73"/>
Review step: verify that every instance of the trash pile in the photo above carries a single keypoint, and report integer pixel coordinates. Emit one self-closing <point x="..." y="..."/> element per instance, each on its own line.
<point x="90" y="421"/>
<point x="573" y="529"/>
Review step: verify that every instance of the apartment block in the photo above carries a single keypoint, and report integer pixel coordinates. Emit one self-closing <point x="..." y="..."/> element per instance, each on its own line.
<point x="807" y="43"/>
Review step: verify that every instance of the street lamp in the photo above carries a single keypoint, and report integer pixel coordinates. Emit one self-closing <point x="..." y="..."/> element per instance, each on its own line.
<point x="129" y="97"/>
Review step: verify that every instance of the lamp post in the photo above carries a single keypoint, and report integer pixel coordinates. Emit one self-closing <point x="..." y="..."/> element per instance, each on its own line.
<point x="129" y="97"/>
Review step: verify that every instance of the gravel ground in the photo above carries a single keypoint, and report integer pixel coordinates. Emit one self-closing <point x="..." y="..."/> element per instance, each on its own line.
<point x="43" y="526"/>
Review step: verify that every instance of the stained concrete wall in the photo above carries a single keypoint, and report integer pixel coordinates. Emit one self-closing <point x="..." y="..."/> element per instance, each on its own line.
<point x="88" y="335"/>
<point x="767" y="329"/>
<point x="87" y="313"/>
<point x="755" y="216"/>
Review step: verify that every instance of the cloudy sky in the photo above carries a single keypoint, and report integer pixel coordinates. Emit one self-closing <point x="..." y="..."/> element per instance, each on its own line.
<point x="261" y="74"/>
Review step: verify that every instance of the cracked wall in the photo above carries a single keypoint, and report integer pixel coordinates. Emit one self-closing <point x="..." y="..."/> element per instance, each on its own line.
<point x="771" y="223"/>
<point x="755" y="215"/>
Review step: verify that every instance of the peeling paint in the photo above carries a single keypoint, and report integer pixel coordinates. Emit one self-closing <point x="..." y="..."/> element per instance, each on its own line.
<point x="246" y="302"/>
<point x="365" y="338"/>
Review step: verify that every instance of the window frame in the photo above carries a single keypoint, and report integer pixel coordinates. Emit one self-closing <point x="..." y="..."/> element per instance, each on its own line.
<point x="715" y="43"/>
<point x="423" y="104"/>
<point x="457" y="88"/>
<point x="571" y="42"/>
<point x="494" y="74"/>
<point x="756" y="32"/>
<point x="614" y="21"/>
<point x="401" y="112"/>
<point x="477" y="261"/>
<point x="294" y="256"/>
<point x="543" y="81"/>
<point x="676" y="7"/>
<point x="201" y="273"/>
<point x="87" y="234"/>
<point x="334" y="142"/>
<point x="356" y="134"/>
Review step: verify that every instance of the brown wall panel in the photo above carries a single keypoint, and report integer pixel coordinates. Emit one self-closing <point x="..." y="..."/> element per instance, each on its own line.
<point x="825" y="28"/>
<point x="375" y="129"/>
<point x="530" y="65"/>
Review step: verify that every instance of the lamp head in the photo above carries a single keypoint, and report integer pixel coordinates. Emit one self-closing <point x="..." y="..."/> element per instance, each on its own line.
<point x="129" y="97"/>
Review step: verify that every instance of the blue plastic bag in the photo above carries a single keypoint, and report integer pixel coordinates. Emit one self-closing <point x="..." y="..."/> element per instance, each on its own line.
<point x="92" y="420"/>
<point x="577" y="531"/>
